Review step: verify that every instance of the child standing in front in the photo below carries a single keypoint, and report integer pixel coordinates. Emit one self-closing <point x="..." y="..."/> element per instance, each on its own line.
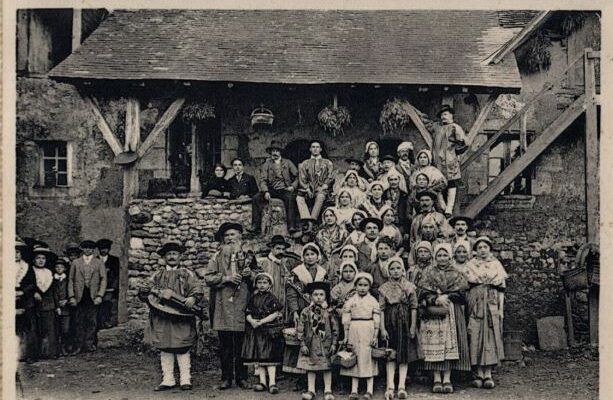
<point x="260" y="345"/>
<point x="60" y="280"/>
<point x="317" y="331"/>
<point x="398" y="301"/>
<point x="361" y="321"/>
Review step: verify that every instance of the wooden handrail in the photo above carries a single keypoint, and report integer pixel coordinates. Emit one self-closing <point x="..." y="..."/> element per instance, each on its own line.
<point x="470" y="157"/>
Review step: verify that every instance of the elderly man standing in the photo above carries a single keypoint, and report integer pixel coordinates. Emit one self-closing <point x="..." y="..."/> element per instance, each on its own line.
<point x="316" y="177"/>
<point x="229" y="276"/>
<point x="278" y="180"/>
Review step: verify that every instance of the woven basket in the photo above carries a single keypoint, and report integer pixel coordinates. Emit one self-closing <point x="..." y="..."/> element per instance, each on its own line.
<point x="384" y="353"/>
<point x="575" y="279"/>
<point x="289" y="334"/>
<point x="345" y="359"/>
<point x="437" y="311"/>
<point x="262" y="116"/>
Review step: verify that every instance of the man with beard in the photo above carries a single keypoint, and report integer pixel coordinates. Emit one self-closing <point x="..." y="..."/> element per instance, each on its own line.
<point x="229" y="276"/>
<point x="278" y="180"/>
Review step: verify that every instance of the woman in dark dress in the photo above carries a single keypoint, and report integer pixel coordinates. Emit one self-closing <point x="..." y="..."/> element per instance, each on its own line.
<point x="261" y="345"/>
<point x="217" y="185"/>
<point x="25" y="287"/>
<point x="46" y="305"/>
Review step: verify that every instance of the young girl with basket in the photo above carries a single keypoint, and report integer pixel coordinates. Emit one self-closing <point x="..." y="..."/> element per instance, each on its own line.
<point x="317" y="331"/>
<point x="262" y="333"/>
<point x="361" y="321"/>
<point x="398" y="301"/>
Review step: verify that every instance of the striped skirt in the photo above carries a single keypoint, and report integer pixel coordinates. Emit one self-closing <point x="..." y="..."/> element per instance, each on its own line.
<point x="463" y="362"/>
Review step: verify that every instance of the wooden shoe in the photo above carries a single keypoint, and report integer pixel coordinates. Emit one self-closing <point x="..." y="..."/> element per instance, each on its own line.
<point x="402" y="394"/>
<point x="488" y="383"/>
<point x="273" y="389"/>
<point x="328" y="396"/>
<point x="187" y="386"/>
<point x="437" y="387"/>
<point x="477" y="383"/>
<point x="447" y="387"/>
<point x="259" y="387"/>
<point x="163" y="388"/>
<point x="308" y="396"/>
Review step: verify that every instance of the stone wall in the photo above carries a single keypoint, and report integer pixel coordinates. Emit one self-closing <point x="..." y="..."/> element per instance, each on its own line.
<point x="191" y="221"/>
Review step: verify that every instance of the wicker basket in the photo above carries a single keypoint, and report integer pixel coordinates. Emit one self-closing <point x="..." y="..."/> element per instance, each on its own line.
<point x="345" y="359"/>
<point x="437" y="311"/>
<point x="575" y="279"/>
<point x="289" y="334"/>
<point x="384" y="353"/>
<point x="262" y="116"/>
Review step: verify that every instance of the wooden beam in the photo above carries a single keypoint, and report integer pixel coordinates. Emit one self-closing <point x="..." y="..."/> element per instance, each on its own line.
<point x="481" y="118"/>
<point x="592" y="189"/>
<point x="130" y="171"/>
<point x="107" y="134"/>
<point x="76" y="28"/>
<point x="548" y="136"/>
<point x="425" y="133"/>
<point x="163" y="123"/>
<point x="523" y="133"/>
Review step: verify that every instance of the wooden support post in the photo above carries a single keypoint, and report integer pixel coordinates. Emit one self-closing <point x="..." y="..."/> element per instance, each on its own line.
<point x="194" y="183"/>
<point x="425" y="134"/>
<point x="591" y="180"/>
<point x="107" y="134"/>
<point x="523" y="133"/>
<point x="76" y="28"/>
<point x="130" y="172"/>
<point x="163" y="123"/>
<point x="481" y="118"/>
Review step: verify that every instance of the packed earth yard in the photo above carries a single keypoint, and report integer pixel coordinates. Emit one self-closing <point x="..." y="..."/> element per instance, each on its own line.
<point x="125" y="373"/>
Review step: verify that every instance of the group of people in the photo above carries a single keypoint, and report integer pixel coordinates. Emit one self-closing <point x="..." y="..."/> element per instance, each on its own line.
<point x="388" y="278"/>
<point x="63" y="300"/>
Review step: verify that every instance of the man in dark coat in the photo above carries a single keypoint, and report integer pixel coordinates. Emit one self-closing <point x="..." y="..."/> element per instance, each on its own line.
<point x="86" y="288"/>
<point x="278" y="179"/>
<point x="399" y="201"/>
<point x="107" y="314"/>
<point x="242" y="186"/>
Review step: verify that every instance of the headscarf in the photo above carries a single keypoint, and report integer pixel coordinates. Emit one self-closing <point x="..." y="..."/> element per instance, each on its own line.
<point x="267" y="275"/>
<point x="355" y="174"/>
<point x="461" y="243"/>
<point x="373" y="184"/>
<point x="313" y="247"/>
<point x="350" y="264"/>
<point x="430" y="220"/>
<point x="349" y="247"/>
<point x="364" y="275"/>
<point x="443" y="247"/>
<point x="333" y="211"/>
<point x="394" y="172"/>
<point x="427" y="152"/>
<point x="395" y="259"/>
<point x="424" y="245"/>
<point x="404" y="146"/>
<point x="338" y="198"/>
<point x="366" y="155"/>
<point x="482" y="239"/>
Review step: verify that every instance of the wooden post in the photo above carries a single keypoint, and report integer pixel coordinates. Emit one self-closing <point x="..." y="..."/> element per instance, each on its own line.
<point x="76" y="28"/>
<point x="523" y="133"/>
<point x="481" y="118"/>
<point x="591" y="180"/>
<point x="194" y="183"/>
<point x="130" y="172"/>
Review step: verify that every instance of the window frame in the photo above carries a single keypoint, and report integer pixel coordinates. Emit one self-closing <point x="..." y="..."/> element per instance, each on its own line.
<point x="42" y="158"/>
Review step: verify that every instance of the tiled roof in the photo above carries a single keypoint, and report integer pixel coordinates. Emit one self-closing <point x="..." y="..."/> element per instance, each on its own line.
<point x="516" y="18"/>
<point x="297" y="46"/>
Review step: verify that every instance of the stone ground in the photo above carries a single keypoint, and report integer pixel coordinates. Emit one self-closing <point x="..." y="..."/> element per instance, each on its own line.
<point x="128" y="373"/>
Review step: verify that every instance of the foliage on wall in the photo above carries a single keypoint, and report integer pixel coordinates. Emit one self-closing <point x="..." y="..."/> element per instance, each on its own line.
<point x="334" y="119"/>
<point x="196" y="111"/>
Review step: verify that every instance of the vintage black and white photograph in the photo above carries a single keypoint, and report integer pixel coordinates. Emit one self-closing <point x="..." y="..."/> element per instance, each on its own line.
<point x="308" y="204"/>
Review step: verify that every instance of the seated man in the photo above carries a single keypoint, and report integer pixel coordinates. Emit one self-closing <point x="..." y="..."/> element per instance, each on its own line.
<point x="278" y="179"/>
<point x="242" y="186"/>
<point x="316" y="176"/>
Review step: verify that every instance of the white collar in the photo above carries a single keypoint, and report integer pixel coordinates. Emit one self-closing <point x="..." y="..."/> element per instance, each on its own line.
<point x="22" y="270"/>
<point x="59" y="277"/>
<point x="44" y="278"/>
<point x="169" y="268"/>
<point x="104" y="258"/>
<point x="272" y="258"/>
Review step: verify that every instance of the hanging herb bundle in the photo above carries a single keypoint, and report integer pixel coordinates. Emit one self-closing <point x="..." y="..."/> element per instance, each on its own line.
<point x="395" y="115"/>
<point x="537" y="55"/>
<point x="198" y="111"/>
<point x="334" y="119"/>
<point x="573" y="21"/>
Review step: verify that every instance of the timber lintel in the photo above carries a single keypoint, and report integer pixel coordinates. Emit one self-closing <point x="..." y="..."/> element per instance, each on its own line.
<point x="540" y="144"/>
<point x="107" y="134"/>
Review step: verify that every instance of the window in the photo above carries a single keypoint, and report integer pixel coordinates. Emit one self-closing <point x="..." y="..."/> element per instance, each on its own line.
<point x="55" y="164"/>
<point x="502" y="154"/>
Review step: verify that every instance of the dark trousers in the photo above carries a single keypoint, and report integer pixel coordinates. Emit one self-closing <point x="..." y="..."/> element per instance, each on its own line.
<point x="26" y="325"/>
<point x="86" y="322"/>
<point x="230" y="347"/>
<point x="289" y="200"/>
<point x="64" y="334"/>
<point x="105" y="314"/>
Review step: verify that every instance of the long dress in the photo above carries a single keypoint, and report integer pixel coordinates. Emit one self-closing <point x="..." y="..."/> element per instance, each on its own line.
<point x="174" y="334"/>
<point x="443" y="340"/>
<point x="262" y="345"/>
<point x="397" y="299"/>
<point x="362" y="314"/>
<point x="486" y="279"/>
<point x="318" y="331"/>
<point x="45" y="320"/>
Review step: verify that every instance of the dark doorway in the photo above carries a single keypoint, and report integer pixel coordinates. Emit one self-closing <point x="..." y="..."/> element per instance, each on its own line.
<point x="388" y="146"/>
<point x="298" y="150"/>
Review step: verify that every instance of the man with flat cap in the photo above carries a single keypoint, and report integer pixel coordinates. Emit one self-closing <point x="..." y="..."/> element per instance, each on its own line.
<point x="173" y="329"/>
<point x="72" y="251"/>
<point x="278" y="179"/>
<point x="367" y="248"/>
<point x="107" y="313"/>
<point x="426" y="209"/>
<point x="86" y="287"/>
<point x="229" y="276"/>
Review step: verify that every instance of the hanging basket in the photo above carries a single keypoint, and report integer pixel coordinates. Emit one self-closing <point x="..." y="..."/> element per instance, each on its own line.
<point x="262" y="116"/>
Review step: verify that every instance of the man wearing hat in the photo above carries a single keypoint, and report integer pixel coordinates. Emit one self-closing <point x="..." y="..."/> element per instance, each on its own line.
<point x="72" y="251"/>
<point x="406" y="159"/>
<point x="229" y="278"/>
<point x="107" y="313"/>
<point x="86" y="288"/>
<point x="449" y="140"/>
<point x="388" y="165"/>
<point x="315" y="177"/>
<point x="173" y="330"/>
<point x="278" y="180"/>
<point x="275" y="265"/>
<point x="461" y="225"/>
<point x="426" y="209"/>
<point x="367" y="248"/>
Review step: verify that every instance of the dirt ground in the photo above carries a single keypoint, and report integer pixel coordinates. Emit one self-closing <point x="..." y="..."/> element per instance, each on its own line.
<point x="125" y="373"/>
